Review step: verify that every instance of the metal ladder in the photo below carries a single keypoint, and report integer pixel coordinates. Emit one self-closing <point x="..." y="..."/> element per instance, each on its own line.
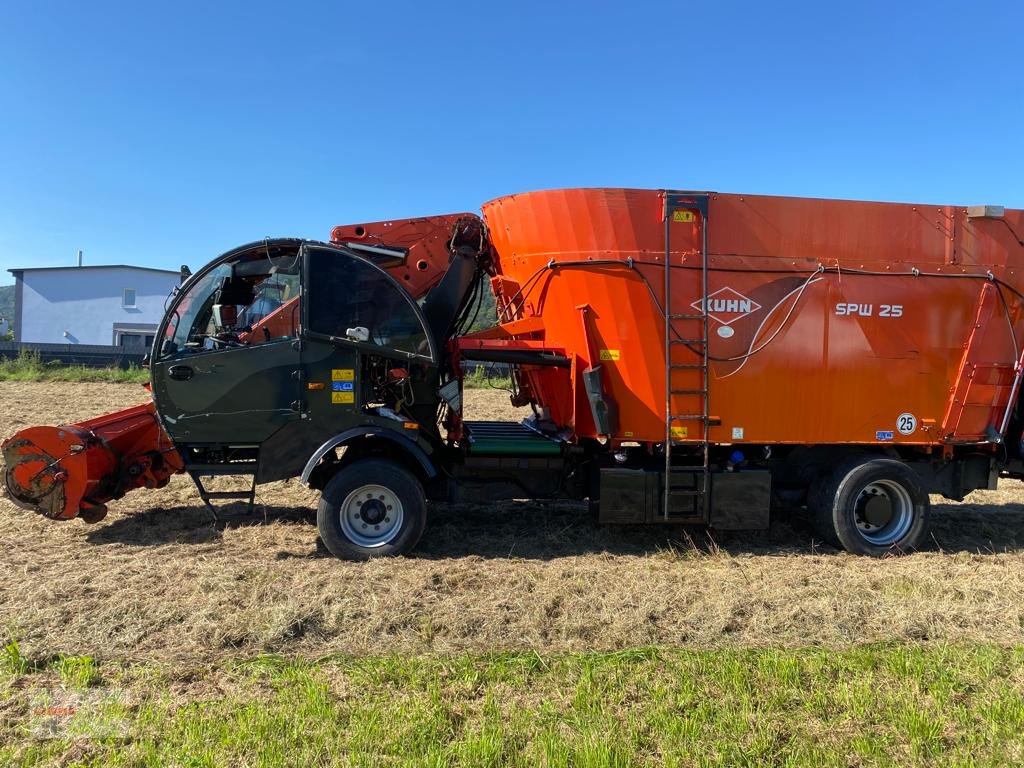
<point x="685" y="207"/>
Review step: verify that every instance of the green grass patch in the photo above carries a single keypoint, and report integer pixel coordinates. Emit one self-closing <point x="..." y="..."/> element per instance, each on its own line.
<point x="877" y="705"/>
<point x="483" y="378"/>
<point x="28" y="367"/>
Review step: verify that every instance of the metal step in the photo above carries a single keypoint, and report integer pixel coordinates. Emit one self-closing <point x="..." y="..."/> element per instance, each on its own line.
<point x="688" y="417"/>
<point x="687" y="341"/>
<point x="687" y="365"/>
<point x="246" y="468"/>
<point x="232" y="468"/>
<point x="228" y="494"/>
<point x="687" y="391"/>
<point x="686" y="316"/>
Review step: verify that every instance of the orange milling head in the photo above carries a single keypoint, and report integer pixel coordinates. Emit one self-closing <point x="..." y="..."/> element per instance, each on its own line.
<point x="65" y="471"/>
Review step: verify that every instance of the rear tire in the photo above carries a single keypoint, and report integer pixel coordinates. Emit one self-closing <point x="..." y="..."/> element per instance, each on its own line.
<point x="871" y="506"/>
<point x="371" y="508"/>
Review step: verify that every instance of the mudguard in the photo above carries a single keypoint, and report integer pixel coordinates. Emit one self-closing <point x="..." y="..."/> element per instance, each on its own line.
<point x="369" y="431"/>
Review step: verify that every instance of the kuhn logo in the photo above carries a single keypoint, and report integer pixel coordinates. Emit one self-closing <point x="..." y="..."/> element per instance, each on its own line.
<point x="727" y="306"/>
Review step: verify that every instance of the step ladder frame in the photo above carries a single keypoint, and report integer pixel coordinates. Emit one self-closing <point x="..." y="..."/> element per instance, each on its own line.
<point x="696" y="202"/>
<point x="226" y="469"/>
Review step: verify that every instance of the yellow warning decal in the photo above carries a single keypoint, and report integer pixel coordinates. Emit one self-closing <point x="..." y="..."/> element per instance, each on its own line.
<point x="342" y="398"/>
<point x="680" y="433"/>
<point x="343" y="374"/>
<point x="610" y="354"/>
<point x="682" y="216"/>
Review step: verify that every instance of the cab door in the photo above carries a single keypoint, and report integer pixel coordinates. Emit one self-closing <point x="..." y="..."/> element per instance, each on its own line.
<point x="227" y="369"/>
<point x="358" y="323"/>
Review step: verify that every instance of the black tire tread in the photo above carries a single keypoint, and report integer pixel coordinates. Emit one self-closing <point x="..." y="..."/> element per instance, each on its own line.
<point x="827" y="515"/>
<point x="382" y="472"/>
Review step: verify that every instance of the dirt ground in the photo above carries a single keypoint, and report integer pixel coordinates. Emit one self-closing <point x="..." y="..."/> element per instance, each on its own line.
<point x="157" y="581"/>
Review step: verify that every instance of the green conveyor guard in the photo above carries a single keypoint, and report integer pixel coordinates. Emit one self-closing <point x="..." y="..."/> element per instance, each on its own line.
<point x="506" y="438"/>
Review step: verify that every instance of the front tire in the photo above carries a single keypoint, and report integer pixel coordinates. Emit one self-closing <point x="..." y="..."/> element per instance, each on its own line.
<point x="371" y="508"/>
<point x="871" y="506"/>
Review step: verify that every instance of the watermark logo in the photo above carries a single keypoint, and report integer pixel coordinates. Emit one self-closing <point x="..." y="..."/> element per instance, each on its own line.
<point x="89" y="713"/>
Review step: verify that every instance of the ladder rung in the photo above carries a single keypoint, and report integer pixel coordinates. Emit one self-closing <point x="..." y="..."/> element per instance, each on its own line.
<point x="688" y="341"/>
<point x="687" y="391"/>
<point x="229" y="494"/>
<point x="685" y="492"/>
<point x="688" y="365"/>
<point x="688" y="416"/>
<point x="695" y="468"/>
<point x="686" y="317"/>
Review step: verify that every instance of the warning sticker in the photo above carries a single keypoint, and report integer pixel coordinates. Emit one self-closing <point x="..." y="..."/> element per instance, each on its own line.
<point x="883" y="434"/>
<point x="343" y="386"/>
<point x="682" y="216"/>
<point x="343" y="398"/>
<point x="610" y="354"/>
<point x="680" y="433"/>
<point x="343" y="374"/>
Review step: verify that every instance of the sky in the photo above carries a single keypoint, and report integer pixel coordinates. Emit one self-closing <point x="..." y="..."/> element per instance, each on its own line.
<point x="163" y="134"/>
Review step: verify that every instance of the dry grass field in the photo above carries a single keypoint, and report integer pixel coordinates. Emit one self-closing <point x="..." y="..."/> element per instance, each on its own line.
<point x="517" y="635"/>
<point x="157" y="581"/>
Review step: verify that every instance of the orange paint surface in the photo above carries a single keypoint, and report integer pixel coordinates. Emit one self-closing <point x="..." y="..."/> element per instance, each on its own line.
<point x="808" y="347"/>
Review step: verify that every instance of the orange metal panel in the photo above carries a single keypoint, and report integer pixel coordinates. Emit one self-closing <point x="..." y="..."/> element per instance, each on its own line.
<point x="829" y="319"/>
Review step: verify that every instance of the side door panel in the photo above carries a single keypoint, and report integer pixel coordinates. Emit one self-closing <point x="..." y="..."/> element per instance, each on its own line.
<point x="240" y="395"/>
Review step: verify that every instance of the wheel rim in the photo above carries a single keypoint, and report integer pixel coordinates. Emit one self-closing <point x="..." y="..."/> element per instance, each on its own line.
<point x="371" y="516"/>
<point x="884" y="512"/>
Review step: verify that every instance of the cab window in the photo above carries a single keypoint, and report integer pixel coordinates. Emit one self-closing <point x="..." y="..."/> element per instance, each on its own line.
<point x="350" y="298"/>
<point x="249" y="300"/>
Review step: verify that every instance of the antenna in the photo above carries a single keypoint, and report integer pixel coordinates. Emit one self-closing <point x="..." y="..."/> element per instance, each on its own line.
<point x="79" y="257"/>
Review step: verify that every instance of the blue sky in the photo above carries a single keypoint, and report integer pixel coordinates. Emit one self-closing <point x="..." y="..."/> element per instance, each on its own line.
<point x="162" y="135"/>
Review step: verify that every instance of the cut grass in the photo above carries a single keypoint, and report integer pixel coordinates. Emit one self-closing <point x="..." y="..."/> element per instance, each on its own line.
<point x="28" y="367"/>
<point x="868" y="705"/>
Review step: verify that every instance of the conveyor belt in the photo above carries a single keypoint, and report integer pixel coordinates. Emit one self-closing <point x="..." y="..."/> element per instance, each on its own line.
<point x="506" y="438"/>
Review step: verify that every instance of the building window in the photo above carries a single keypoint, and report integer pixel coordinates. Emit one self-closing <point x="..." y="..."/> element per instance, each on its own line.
<point x="128" y="298"/>
<point x="131" y="340"/>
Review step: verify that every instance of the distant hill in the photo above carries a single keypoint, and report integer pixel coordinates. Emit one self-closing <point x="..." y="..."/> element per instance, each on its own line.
<point x="7" y="302"/>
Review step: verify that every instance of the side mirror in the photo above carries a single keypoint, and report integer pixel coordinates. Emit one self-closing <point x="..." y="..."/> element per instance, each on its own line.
<point x="357" y="334"/>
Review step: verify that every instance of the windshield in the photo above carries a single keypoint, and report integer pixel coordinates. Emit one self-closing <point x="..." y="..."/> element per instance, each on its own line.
<point x="249" y="300"/>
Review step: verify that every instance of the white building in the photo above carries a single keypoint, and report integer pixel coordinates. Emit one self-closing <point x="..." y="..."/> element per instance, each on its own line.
<point x="116" y="304"/>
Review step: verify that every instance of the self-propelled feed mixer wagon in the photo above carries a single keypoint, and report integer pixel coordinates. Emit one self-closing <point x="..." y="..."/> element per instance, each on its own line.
<point x="689" y="357"/>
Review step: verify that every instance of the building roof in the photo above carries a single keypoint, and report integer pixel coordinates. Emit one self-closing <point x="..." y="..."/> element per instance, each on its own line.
<point x="19" y="270"/>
